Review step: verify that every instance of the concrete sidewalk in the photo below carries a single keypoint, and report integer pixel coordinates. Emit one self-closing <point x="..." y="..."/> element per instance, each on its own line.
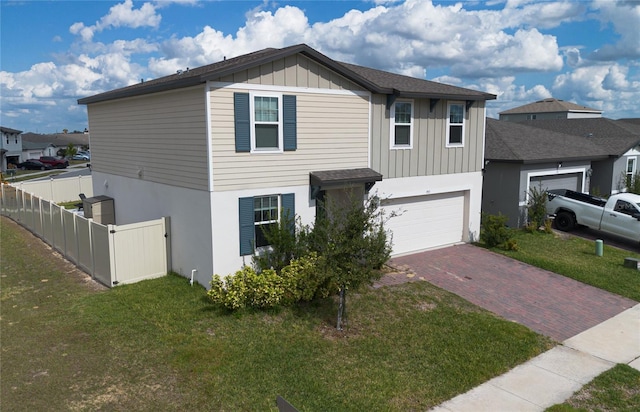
<point x="554" y="376"/>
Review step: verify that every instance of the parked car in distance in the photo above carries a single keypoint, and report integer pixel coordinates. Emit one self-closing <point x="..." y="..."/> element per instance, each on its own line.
<point x="33" y="164"/>
<point x="54" y="162"/>
<point x="81" y="156"/>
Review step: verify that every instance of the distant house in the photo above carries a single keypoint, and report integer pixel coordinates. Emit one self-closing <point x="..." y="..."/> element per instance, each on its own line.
<point x="223" y="149"/>
<point x="549" y="109"/>
<point x="59" y="140"/>
<point x="587" y="155"/>
<point x="10" y="146"/>
<point x="33" y="150"/>
<point x="520" y="157"/>
<point x="619" y="138"/>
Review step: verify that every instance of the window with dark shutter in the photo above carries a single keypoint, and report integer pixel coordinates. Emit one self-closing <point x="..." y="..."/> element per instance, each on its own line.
<point x="258" y="214"/>
<point x="242" y="122"/>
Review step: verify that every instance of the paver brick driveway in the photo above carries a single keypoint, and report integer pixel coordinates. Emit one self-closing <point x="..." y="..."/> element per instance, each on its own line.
<point x="547" y="303"/>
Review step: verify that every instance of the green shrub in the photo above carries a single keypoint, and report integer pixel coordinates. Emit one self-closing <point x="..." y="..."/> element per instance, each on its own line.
<point x="301" y="280"/>
<point x="537" y="207"/>
<point x="246" y="288"/>
<point x="283" y="245"/>
<point x="494" y="230"/>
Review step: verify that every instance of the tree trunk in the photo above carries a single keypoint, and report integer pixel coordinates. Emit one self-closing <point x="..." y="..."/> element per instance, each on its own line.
<point x="341" y="306"/>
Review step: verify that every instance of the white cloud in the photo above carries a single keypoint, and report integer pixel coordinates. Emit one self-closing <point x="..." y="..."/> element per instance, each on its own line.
<point x="605" y="86"/>
<point x="120" y="15"/>
<point x="625" y="18"/>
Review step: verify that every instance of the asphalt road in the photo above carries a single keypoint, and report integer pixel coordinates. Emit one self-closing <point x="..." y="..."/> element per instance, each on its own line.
<point x="71" y="171"/>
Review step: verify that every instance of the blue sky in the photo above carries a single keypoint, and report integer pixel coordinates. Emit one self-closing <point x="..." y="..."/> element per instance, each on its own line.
<point x="55" y="52"/>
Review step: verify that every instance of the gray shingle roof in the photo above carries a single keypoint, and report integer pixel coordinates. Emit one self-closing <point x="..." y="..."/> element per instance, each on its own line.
<point x="376" y="81"/>
<point x="614" y="136"/>
<point x="9" y="130"/>
<point x="550" y="106"/>
<point x="515" y="142"/>
<point x="57" y="139"/>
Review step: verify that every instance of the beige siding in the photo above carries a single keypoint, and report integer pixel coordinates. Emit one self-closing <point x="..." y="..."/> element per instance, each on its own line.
<point x="429" y="154"/>
<point x="332" y="134"/>
<point x="293" y="71"/>
<point x="159" y="137"/>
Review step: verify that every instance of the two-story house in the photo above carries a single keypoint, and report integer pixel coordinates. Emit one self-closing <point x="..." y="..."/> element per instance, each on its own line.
<point x="10" y="146"/>
<point x="223" y="149"/>
<point x="549" y="109"/>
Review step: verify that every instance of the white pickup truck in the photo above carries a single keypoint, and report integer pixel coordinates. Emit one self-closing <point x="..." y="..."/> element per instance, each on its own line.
<point x="618" y="215"/>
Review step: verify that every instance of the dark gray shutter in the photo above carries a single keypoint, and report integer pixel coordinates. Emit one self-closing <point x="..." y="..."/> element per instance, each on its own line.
<point x="289" y="207"/>
<point x="289" y="119"/>
<point x="242" y="122"/>
<point x="247" y="227"/>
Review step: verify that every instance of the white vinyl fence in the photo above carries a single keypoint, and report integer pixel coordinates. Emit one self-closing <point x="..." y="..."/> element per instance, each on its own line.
<point x="112" y="254"/>
<point x="58" y="190"/>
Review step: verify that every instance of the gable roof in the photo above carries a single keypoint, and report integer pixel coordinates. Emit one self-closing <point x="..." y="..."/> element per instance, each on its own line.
<point x="9" y="130"/>
<point x="57" y="139"/>
<point x="614" y="136"/>
<point x="375" y="81"/>
<point x="36" y="145"/>
<point x="550" y="105"/>
<point x="516" y="142"/>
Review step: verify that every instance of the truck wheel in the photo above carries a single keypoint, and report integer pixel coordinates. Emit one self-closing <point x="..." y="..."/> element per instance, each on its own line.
<point x="564" y="221"/>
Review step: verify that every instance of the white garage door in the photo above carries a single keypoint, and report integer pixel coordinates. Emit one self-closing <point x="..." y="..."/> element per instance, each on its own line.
<point x="572" y="181"/>
<point x="425" y="222"/>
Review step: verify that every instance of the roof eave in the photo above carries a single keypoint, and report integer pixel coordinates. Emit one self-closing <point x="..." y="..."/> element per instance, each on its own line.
<point x="170" y="85"/>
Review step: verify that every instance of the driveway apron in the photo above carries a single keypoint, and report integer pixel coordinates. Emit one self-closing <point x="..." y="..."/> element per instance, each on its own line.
<point x="548" y="303"/>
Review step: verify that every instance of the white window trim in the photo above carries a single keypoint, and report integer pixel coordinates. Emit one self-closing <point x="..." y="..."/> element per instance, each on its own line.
<point x="635" y="164"/>
<point x="252" y="117"/>
<point x="261" y="249"/>
<point x="392" y="128"/>
<point x="464" y="117"/>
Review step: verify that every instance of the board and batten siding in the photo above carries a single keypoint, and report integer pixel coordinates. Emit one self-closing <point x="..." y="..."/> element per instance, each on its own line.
<point x="332" y="133"/>
<point x="159" y="137"/>
<point x="429" y="154"/>
<point x="292" y="71"/>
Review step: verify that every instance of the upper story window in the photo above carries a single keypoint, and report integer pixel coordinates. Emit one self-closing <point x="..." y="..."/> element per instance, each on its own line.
<point x="401" y="125"/>
<point x="267" y="123"/>
<point x="455" y="124"/>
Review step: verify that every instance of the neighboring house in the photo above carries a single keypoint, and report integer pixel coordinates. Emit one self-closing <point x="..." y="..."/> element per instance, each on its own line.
<point x="520" y="157"/>
<point x="619" y="138"/>
<point x="549" y="109"/>
<point x="59" y="140"/>
<point x="31" y="150"/>
<point x="10" y="146"/>
<point x="223" y="149"/>
<point x="587" y="155"/>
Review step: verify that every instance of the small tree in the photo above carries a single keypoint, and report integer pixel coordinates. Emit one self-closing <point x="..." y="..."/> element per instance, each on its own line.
<point x="353" y="242"/>
<point x="284" y="245"/>
<point x="69" y="151"/>
<point x="537" y="206"/>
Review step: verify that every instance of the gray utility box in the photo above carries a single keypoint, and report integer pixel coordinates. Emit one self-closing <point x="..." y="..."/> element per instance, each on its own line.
<point x="100" y="209"/>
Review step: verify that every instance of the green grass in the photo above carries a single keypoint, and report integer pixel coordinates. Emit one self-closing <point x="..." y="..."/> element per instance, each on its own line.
<point x="159" y="345"/>
<point x="618" y="389"/>
<point x="576" y="258"/>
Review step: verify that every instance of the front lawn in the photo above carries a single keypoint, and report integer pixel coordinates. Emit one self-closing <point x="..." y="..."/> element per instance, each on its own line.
<point x="576" y="258"/>
<point x="159" y="345"/>
<point x="617" y="389"/>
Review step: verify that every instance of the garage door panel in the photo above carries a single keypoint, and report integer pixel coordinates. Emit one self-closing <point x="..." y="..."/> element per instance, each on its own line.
<point x="572" y="181"/>
<point x="425" y="222"/>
